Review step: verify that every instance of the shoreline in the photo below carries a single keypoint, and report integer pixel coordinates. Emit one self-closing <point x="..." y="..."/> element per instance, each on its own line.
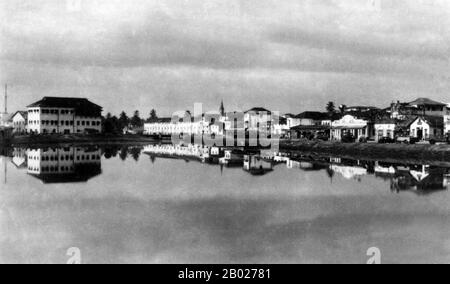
<point x="385" y="152"/>
<point x="431" y="153"/>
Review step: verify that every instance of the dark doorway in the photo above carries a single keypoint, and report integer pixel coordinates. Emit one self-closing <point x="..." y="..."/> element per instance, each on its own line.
<point x="419" y="133"/>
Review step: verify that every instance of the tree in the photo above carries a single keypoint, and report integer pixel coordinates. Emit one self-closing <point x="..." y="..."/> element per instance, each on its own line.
<point x="331" y="108"/>
<point x="342" y="108"/>
<point x="136" y="120"/>
<point x="124" y="120"/>
<point x="153" y="115"/>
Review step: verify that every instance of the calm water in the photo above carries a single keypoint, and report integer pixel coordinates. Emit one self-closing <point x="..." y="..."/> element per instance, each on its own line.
<point x="135" y="205"/>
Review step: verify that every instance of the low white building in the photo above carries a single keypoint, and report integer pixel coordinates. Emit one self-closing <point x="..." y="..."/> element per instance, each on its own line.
<point x="350" y="125"/>
<point x="428" y="127"/>
<point x="53" y="115"/>
<point x="19" y="122"/>
<point x="385" y="128"/>
<point x="168" y="127"/>
<point x="256" y="118"/>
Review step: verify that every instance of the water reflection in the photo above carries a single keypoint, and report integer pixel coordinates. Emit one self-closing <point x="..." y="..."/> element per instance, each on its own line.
<point x="422" y="179"/>
<point x="194" y="204"/>
<point x="80" y="164"/>
<point x="62" y="165"/>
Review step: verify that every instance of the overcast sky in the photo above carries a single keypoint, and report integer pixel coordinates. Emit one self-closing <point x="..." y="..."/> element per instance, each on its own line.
<point x="286" y="55"/>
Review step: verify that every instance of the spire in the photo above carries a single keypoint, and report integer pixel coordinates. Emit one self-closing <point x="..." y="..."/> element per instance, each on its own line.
<point x="6" y="98"/>
<point x="222" y="109"/>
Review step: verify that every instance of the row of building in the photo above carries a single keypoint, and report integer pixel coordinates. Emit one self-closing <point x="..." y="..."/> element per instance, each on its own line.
<point x="422" y="119"/>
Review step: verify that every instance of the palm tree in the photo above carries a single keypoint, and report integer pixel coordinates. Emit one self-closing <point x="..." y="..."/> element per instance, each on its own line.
<point x="331" y="108"/>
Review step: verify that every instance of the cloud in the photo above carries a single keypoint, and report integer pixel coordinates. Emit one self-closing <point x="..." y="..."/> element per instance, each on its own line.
<point x="210" y="48"/>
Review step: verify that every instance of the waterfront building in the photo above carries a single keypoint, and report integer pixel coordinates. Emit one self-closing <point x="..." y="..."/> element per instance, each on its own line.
<point x="311" y="125"/>
<point x="169" y="126"/>
<point x="19" y="122"/>
<point x="53" y="115"/>
<point x="257" y="117"/>
<point x="427" y="127"/>
<point x="352" y="126"/>
<point x="385" y="128"/>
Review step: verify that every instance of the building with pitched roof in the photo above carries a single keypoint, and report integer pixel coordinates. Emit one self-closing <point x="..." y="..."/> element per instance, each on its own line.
<point x="54" y="115"/>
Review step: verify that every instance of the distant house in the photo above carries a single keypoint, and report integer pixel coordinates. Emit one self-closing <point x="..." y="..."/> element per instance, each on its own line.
<point x="311" y="124"/>
<point x="427" y="107"/>
<point x="257" y="117"/>
<point x="419" y="107"/>
<point x="427" y="127"/>
<point x="20" y="122"/>
<point x="5" y="119"/>
<point x="352" y="126"/>
<point x="53" y="115"/>
<point x="447" y="125"/>
<point x="385" y="128"/>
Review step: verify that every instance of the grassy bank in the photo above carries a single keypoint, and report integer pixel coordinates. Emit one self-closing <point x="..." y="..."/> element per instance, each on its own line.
<point x="372" y="151"/>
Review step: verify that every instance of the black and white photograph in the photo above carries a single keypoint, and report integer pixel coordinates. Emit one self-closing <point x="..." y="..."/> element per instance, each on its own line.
<point x="239" y="134"/>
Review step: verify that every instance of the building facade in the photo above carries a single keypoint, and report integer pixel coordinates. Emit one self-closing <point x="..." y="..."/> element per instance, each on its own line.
<point x="64" y="116"/>
<point x="447" y="125"/>
<point x="351" y="126"/>
<point x="19" y="122"/>
<point x="428" y="127"/>
<point x="385" y="129"/>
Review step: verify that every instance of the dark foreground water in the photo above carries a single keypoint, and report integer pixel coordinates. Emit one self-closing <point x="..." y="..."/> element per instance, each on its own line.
<point x="134" y="205"/>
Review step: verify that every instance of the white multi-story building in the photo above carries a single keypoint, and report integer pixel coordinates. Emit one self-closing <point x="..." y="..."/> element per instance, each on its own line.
<point x="64" y="116"/>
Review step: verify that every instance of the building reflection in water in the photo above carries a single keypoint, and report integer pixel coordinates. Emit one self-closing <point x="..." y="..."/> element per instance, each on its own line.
<point x="257" y="165"/>
<point x="75" y="164"/>
<point x="64" y="165"/>
<point x="421" y="179"/>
